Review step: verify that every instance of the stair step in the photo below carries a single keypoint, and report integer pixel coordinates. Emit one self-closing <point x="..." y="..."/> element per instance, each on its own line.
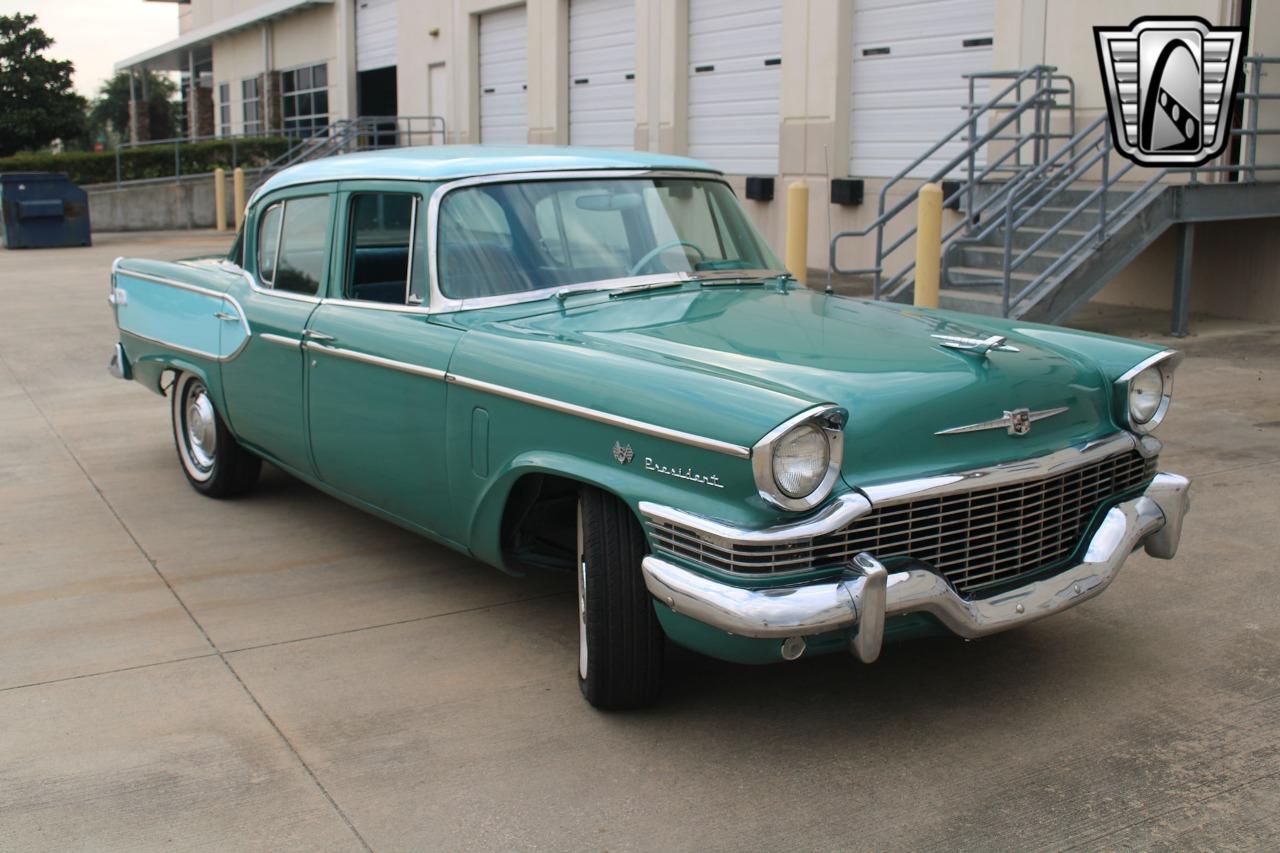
<point x="971" y="301"/>
<point x="992" y="257"/>
<point x="978" y="274"/>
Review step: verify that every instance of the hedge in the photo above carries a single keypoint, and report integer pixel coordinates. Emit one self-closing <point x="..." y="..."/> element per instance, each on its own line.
<point x="151" y="161"/>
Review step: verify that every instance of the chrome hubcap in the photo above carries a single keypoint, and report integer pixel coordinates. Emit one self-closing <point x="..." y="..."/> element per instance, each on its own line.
<point x="582" y="602"/>
<point x="202" y="432"/>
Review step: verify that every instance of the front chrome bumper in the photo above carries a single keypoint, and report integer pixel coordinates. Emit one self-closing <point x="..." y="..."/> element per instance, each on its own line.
<point x="867" y="593"/>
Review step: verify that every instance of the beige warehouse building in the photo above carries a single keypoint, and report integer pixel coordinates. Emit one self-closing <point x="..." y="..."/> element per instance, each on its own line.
<point x="792" y="90"/>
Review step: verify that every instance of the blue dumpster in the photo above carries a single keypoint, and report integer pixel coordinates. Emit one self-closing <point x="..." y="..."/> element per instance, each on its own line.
<point x="42" y="209"/>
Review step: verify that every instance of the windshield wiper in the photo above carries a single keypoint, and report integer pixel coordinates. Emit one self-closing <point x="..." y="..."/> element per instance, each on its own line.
<point x="641" y="288"/>
<point x="753" y="279"/>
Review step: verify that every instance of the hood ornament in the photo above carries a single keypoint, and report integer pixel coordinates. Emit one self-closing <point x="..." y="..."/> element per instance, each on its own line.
<point x="1016" y="422"/>
<point x="975" y="346"/>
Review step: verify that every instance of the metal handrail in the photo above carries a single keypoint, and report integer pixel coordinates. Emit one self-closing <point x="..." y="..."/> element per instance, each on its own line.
<point x="1040" y="99"/>
<point x="1034" y="188"/>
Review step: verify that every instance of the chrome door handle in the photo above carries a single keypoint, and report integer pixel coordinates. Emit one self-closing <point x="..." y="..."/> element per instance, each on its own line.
<point x="223" y="315"/>
<point x="321" y="337"/>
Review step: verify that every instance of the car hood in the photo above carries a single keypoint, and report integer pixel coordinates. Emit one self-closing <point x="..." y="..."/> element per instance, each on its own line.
<point x="879" y="360"/>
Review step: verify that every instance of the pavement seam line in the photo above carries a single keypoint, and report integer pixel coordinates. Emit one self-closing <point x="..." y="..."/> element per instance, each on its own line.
<point x="194" y="621"/>
<point x="409" y="621"/>
<point x="108" y="672"/>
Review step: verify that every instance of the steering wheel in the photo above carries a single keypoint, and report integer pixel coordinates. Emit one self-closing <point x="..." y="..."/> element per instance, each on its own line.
<point x="658" y="250"/>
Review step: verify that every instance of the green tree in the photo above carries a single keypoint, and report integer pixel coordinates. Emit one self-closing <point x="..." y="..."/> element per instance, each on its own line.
<point x="37" y="104"/>
<point x="110" y="109"/>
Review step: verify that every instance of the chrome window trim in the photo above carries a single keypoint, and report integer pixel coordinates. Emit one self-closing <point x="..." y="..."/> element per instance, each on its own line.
<point x="849" y="506"/>
<point x="275" y="253"/>
<point x="413" y="242"/>
<point x="642" y="427"/>
<point x="829" y="418"/>
<point x="438" y="303"/>
<point x="376" y="360"/>
<point x="1167" y="361"/>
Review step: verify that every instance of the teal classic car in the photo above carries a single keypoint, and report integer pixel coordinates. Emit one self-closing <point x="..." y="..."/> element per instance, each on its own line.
<point x="588" y="361"/>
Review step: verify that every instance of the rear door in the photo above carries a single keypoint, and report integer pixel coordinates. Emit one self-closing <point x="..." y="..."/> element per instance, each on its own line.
<point x="286" y="261"/>
<point x="375" y="363"/>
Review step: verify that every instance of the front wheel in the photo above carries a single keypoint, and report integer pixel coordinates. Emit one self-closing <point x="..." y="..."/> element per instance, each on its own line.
<point x="620" y="644"/>
<point x="214" y="462"/>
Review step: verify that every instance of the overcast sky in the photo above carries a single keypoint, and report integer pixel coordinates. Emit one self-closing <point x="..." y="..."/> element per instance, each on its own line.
<point x="95" y="34"/>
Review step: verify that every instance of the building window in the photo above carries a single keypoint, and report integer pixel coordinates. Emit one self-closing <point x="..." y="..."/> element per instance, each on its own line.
<point x="224" y="109"/>
<point x="305" y="98"/>
<point x="251" y="94"/>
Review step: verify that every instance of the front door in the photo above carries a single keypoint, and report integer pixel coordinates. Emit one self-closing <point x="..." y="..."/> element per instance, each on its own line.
<point x="376" y="364"/>
<point x="286" y="261"/>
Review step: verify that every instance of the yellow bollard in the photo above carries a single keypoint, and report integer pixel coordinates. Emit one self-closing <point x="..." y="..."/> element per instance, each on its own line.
<point x="928" y="245"/>
<point x="237" y="184"/>
<point x="798" y="231"/>
<point x="220" y="199"/>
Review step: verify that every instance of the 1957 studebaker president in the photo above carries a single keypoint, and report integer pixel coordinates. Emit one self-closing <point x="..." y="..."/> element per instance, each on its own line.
<point x="553" y="358"/>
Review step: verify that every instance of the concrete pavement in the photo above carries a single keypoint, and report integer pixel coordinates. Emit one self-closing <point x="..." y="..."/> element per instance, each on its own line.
<point x="282" y="672"/>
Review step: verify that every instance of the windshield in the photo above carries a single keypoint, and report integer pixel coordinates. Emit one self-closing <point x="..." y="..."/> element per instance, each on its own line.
<point x="500" y="239"/>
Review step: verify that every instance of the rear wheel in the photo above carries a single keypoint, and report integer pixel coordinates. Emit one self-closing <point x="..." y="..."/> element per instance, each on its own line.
<point x="620" y="643"/>
<point x="214" y="462"/>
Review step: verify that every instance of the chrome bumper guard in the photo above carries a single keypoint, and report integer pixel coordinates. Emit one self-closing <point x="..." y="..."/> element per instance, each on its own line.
<point x="118" y="366"/>
<point x="868" y="593"/>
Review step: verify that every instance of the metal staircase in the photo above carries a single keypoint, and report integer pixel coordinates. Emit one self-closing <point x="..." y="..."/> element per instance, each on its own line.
<point x="364" y="132"/>
<point x="1054" y="216"/>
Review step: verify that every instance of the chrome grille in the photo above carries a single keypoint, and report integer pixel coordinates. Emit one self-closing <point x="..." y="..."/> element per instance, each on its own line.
<point x="977" y="539"/>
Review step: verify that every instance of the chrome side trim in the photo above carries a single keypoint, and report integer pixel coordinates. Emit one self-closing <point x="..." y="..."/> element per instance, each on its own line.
<point x="630" y="424"/>
<point x="280" y="339"/>
<point x="188" y="350"/>
<point x="377" y="361"/>
<point x="439" y="303"/>
<point x="827" y="417"/>
<point x="853" y="600"/>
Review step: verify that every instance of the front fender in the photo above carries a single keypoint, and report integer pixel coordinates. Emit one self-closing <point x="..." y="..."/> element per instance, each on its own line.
<point x="631" y="482"/>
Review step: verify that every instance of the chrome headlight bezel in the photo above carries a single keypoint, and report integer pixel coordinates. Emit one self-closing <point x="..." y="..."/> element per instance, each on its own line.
<point x="1165" y="362"/>
<point x="830" y="420"/>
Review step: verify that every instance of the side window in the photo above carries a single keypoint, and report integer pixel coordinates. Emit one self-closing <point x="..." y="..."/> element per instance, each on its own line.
<point x="380" y="248"/>
<point x="304" y="243"/>
<point x="268" y="243"/>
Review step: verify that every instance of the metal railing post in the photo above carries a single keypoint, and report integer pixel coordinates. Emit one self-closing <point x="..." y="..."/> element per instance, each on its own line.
<point x="177" y="161"/>
<point x="118" y="164"/>
<point x="973" y="134"/>
<point x="1255" y="87"/>
<point x="1106" y="185"/>
<point x="1008" y="255"/>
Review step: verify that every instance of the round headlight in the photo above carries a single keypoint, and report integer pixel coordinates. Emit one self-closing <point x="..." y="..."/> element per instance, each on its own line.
<point x="800" y="461"/>
<point x="1146" y="390"/>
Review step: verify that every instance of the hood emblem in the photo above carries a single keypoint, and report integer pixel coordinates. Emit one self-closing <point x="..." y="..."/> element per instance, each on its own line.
<point x="975" y="346"/>
<point x="1016" y="422"/>
<point x="623" y="453"/>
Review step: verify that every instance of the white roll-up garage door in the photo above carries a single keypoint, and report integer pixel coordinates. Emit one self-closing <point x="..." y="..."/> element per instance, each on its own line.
<point x="907" y="88"/>
<point x="602" y="56"/>
<point x="375" y="34"/>
<point x="735" y="73"/>
<point x="504" y="75"/>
